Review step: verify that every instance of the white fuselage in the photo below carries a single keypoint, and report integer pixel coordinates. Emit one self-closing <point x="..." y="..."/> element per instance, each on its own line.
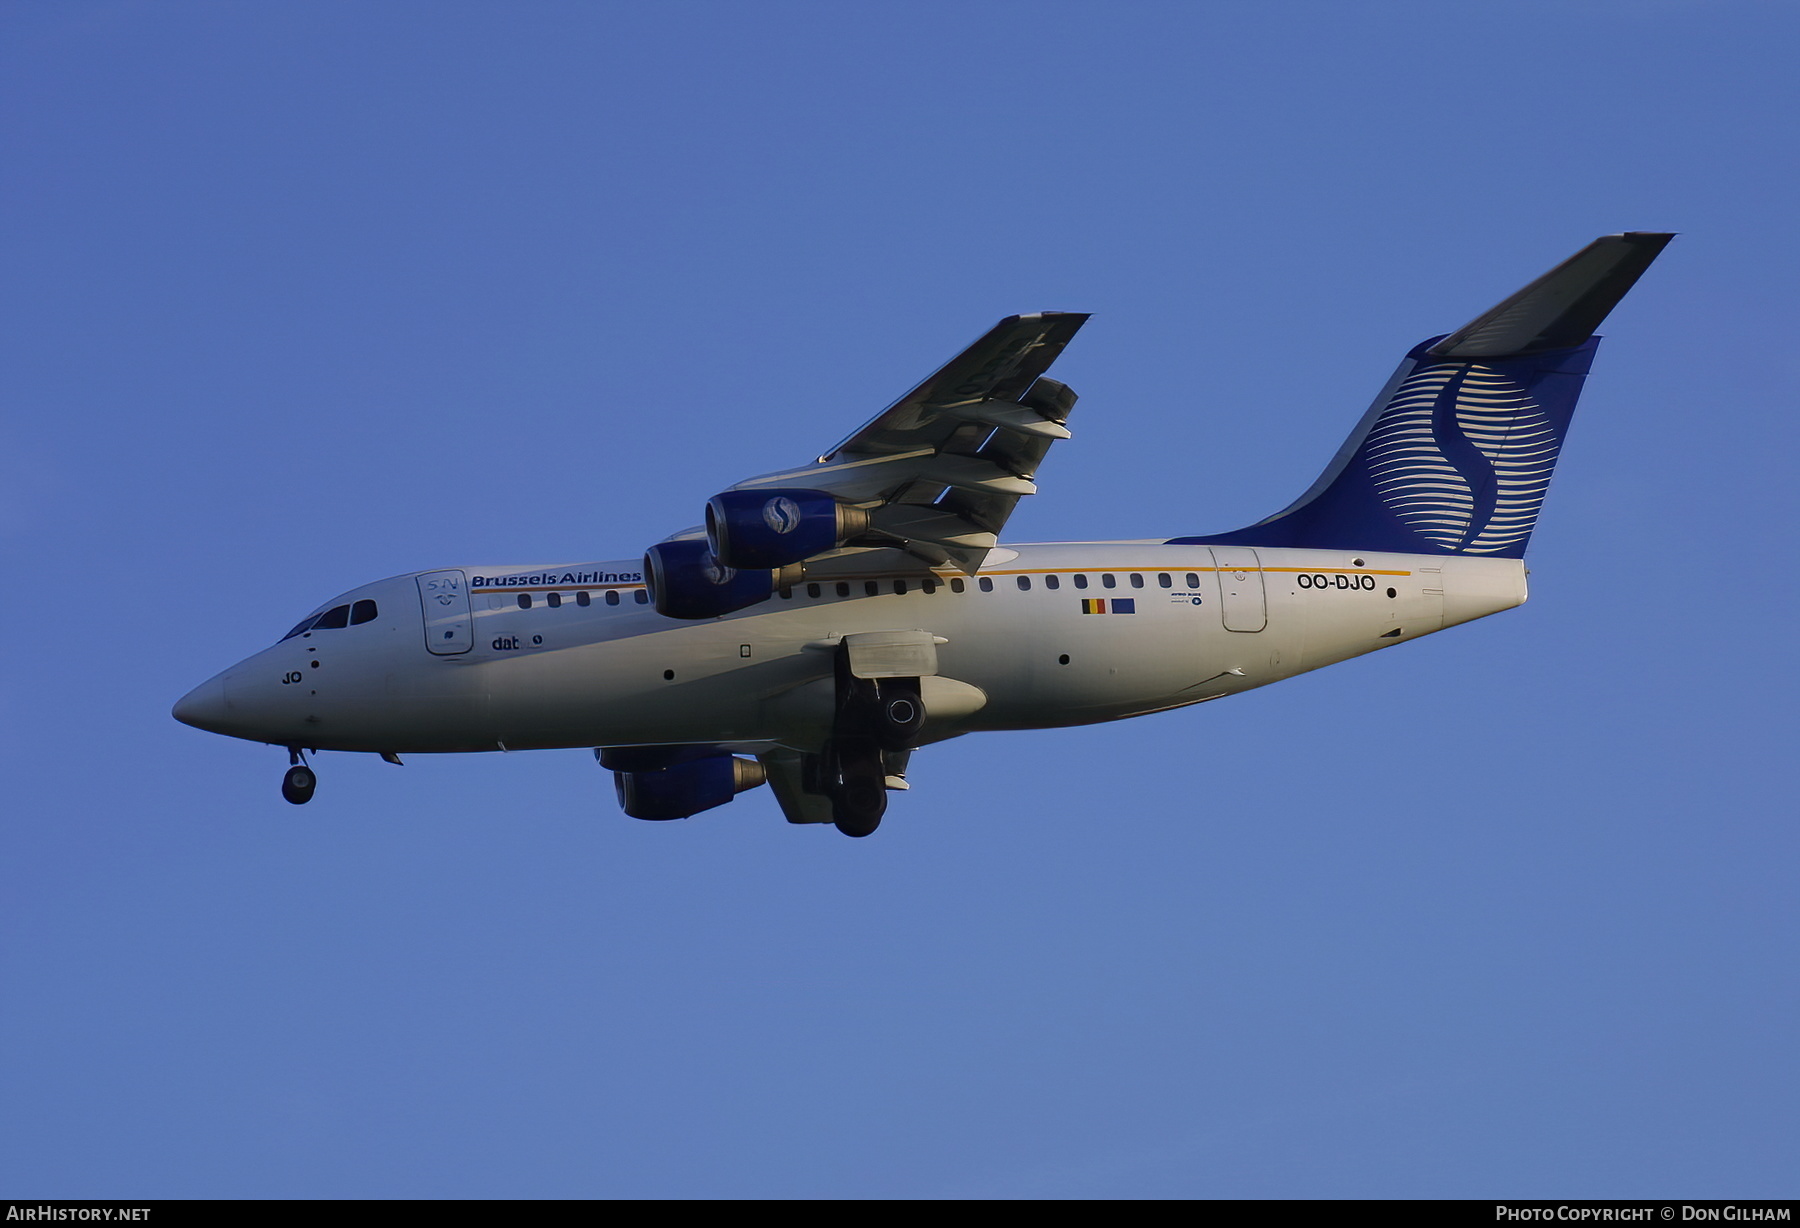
<point x="1022" y="644"/>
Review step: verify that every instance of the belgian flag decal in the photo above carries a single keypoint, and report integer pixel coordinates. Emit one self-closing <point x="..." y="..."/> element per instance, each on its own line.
<point x="1101" y="605"/>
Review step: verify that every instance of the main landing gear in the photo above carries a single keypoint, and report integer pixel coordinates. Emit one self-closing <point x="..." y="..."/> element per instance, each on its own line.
<point x="877" y="721"/>
<point x="856" y="783"/>
<point x="298" y="785"/>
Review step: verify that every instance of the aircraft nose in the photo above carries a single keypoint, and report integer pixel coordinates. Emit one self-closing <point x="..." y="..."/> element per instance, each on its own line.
<point x="204" y="706"/>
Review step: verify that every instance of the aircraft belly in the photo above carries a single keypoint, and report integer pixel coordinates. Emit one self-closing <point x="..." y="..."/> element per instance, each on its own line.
<point x="614" y="693"/>
<point x="634" y="678"/>
<point x="741" y="678"/>
<point x="1048" y="659"/>
<point x="426" y="706"/>
<point x="1116" y="666"/>
<point x="1379" y="600"/>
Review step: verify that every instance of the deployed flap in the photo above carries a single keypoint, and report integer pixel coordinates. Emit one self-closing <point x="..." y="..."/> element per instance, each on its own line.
<point x="941" y="469"/>
<point x="892" y="654"/>
<point x="786" y="781"/>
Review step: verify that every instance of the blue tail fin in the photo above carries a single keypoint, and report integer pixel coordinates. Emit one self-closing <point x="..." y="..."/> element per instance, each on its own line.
<point x="1455" y="455"/>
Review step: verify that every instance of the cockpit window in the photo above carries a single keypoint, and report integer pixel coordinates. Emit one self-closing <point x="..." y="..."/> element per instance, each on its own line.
<point x="337" y="616"/>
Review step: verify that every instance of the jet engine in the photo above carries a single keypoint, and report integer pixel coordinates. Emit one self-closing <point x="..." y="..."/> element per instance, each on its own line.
<point x="656" y="782"/>
<point x="686" y="581"/>
<point x="772" y="528"/>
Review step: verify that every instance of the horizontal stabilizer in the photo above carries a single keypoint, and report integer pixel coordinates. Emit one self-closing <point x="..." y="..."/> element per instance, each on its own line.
<point x="1561" y="309"/>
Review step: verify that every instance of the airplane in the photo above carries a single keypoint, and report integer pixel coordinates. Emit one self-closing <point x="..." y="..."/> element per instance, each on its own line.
<point x="830" y="619"/>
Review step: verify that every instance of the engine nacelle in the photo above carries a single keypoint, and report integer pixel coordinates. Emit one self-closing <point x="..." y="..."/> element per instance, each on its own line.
<point x="682" y="789"/>
<point x="772" y="528"/>
<point x="686" y="581"/>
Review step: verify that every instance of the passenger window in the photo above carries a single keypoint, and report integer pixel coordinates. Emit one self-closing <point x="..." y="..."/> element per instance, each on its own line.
<point x="336" y="616"/>
<point x="524" y="601"/>
<point x="899" y="588"/>
<point x="641" y="596"/>
<point x="1165" y="580"/>
<point x="871" y="588"/>
<point x="928" y="586"/>
<point x="1108" y="581"/>
<point x="812" y="590"/>
<point x="1052" y="582"/>
<point x="582" y="598"/>
<point x="957" y="585"/>
<point x="1024" y="584"/>
<point x="843" y="588"/>
<point x="987" y="585"/>
<point x="1137" y="580"/>
<point x="612" y="596"/>
<point x="555" y="600"/>
<point x="1193" y="580"/>
<point x="362" y="612"/>
<point x="1080" y="581"/>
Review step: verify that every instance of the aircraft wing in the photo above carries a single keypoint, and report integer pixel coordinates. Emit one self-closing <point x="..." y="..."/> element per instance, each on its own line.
<point x="940" y="470"/>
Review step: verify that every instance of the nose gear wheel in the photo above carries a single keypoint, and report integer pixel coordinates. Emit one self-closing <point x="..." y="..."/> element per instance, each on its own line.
<point x="298" y="785"/>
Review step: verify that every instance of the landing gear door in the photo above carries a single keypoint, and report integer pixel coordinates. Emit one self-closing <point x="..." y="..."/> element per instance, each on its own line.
<point x="444" y="596"/>
<point x="1241" y="600"/>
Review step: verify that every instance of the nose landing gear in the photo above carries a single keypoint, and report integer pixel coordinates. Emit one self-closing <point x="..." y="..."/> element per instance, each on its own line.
<point x="298" y="785"/>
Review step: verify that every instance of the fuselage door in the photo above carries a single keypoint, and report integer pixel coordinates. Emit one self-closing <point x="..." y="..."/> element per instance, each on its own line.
<point x="1241" y="600"/>
<point x="444" y="595"/>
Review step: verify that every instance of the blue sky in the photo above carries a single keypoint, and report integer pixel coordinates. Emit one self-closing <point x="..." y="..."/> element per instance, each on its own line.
<point x="302" y="296"/>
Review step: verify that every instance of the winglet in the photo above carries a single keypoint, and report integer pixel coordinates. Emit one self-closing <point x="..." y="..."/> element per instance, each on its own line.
<point x="1561" y="309"/>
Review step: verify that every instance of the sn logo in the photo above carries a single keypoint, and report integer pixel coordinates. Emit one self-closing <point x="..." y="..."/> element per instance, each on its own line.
<point x="781" y="514"/>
